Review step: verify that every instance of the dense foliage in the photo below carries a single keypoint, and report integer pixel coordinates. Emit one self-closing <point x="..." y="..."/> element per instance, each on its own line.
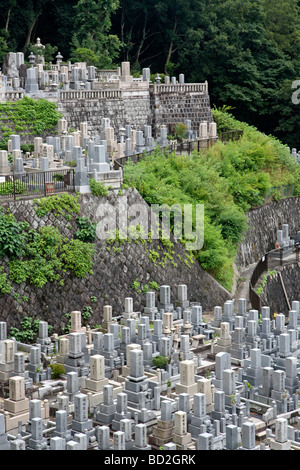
<point x="27" y="116"/>
<point x="247" y="50"/>
<point x="43" y="255"/>
<point x="228" y="179"/>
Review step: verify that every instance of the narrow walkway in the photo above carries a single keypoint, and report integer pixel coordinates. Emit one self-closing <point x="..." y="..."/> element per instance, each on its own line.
<point x="242" y="290"/>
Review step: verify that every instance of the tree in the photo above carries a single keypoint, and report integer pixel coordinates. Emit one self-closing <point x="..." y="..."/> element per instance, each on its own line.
<point x="92" y="25"/>
<point x="283" y="25"/>
<point x="3" y="44"/>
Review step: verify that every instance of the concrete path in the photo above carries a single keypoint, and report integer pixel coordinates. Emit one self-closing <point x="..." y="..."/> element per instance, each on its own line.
<point x="242" y="289"/>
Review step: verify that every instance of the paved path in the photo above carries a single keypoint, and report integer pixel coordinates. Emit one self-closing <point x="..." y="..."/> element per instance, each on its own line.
<point x="242" y="290"/>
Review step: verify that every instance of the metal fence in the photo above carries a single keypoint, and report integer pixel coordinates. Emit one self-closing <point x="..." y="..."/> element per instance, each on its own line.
<point x="279" y="191"/>
<point x="269" y="262"/>
<point x="37" y="184"/>
<point x="232" y="135"/>
<point x="187" y="146"/>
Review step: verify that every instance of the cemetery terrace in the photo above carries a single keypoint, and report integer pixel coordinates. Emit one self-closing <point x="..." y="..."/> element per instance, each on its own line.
<point x="160" y="374"/>
<point x="227" y="382"/>
<point x="85" y="94"/>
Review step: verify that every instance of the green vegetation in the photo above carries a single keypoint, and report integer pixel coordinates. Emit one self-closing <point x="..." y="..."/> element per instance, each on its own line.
<point x="86" y="229"/>
<point x="42" y="256"/>
<point x="78" y="257"/>
<point x="68" y="325"/>
<point x="264" y="281"/>
<point x="180" y="131"/>
<point x="65" y="204"/>
<point x="27" y="116"/>
<point x="5" y="285"/>
<point x="98" y="188"/>
<point x="40" y="263"/>
<point x="28" y="332"/>
<point x="228" y="179"/>
<point x="57" y="370"/>
<point x="87" y="312"/>
<point x="136" y="286"/>
<point x="18" y="187"/>
<point x="12" y="235"/>
<point x="154" y="285"/>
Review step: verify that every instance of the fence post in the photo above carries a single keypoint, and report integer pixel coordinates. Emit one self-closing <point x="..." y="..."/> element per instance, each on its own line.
<point x="44" y="178"/>
<point x="14" y="187"/>
<point x="281" y="256"/>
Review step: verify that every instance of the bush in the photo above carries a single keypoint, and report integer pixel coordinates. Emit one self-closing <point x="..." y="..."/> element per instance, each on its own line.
<point x="180" y="131"/>
<point x="98" y="188"/>
<point x="42" y="261"/>
<point x="57" y="370"/>
<point x="13" y="236"/>
<point x="59" y="205"/>
<point x="5" y="285"/>
<point x="86" y="229"/>
<point x="159" y="361"/>
<point x="77" y="256"/>
<point x="9" y="188"/>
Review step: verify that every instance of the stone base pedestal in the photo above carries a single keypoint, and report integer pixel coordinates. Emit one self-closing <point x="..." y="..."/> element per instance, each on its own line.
<point x="190" y="389"/>
<point x="162" y="433"/>
<point x="274" y="445"/>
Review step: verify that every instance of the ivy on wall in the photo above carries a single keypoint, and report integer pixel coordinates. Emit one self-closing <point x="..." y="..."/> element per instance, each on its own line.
<point x="27" y="117"/>
<point x="39" y="256"/>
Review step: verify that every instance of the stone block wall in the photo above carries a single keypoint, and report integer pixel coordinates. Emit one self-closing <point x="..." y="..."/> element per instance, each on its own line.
<point x="138" y="108"/>
<point x="263" y="223"/>
<point x="132" y="110"/>
<point x="273" y="294"/>
<point x="175" y="106"/>
<point x="113" y="274"/>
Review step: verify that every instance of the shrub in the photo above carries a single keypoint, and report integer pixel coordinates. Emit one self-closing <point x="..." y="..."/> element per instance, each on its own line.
<point x="9" y="188"/>
<point x="154" y="285"/>
<point x="86" y="229"/>
<point x="87" y="312"/>
<point x="180" y="131"/>
<point x="13" y="236"/>
<point x="57" y="370"/>
<point x="159" y="361"/>
<point x="77" y="256"/>
<point x="98" y="188"/>
<point x="59" y="205"/>
<point x="42" y="261"/>
<point x="5" y="285"/>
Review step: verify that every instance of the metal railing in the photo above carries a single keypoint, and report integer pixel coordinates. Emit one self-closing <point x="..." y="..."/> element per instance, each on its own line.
<point x="232" y="135"/>
<point x="186" y="146"/>
<point x="270" y="261"/>
<point x="37" y="184"/>
<point x="179" y="87"/>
